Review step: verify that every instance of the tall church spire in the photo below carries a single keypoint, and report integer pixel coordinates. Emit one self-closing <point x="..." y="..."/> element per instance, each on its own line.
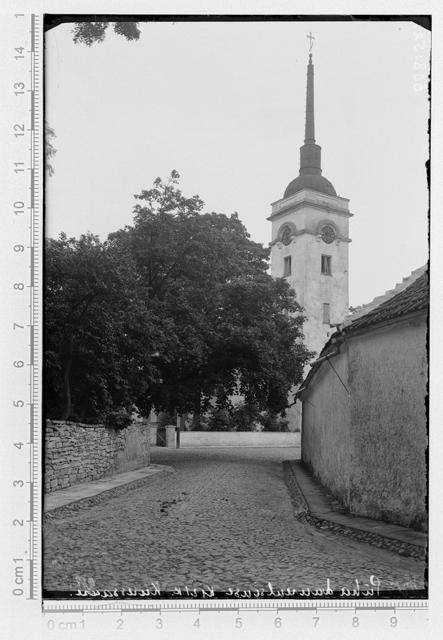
<point x="310" y="153"/>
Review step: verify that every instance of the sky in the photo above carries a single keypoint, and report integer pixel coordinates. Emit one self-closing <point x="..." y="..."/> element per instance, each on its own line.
<point x="224" y="105"/>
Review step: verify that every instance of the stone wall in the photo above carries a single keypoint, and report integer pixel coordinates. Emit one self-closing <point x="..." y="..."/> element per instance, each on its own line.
<point x="76" y="453"/>
<point x="368" y="447"/>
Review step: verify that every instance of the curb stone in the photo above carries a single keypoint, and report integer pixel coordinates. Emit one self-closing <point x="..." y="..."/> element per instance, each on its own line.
<point x="113" y="492"/>
<point x="303" y="514"/>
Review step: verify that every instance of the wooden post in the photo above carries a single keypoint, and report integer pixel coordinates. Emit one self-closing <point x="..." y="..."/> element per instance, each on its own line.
<point x="177" y="431"/>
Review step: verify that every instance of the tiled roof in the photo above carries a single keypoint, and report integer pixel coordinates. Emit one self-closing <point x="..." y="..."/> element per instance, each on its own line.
<point x="414" y="298"/>
<point x="364" y="309"/>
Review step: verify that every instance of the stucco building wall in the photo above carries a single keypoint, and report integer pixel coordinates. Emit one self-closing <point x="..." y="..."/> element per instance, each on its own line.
<point x="369" y="447"/>
<point x="326" y="428"/>
<point x="191" y="439"/>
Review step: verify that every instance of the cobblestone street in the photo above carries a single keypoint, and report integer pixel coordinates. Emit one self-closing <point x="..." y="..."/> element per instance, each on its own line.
<point x="224" y="518"/>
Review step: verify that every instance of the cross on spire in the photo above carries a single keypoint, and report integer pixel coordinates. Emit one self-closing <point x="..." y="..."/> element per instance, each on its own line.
<point x="311" y="41"/>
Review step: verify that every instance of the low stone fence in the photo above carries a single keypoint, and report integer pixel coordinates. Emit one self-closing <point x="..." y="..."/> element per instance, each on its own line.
<point x="77" y="452"/>
<point x="189" y="439"/>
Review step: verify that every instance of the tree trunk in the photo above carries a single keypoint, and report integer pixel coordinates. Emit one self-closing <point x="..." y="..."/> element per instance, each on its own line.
<point x="83" y="409"/>
<point x="67" y="378"/>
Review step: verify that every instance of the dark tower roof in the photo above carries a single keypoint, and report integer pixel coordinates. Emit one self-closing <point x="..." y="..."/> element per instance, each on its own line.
<point x="310" y="153"/>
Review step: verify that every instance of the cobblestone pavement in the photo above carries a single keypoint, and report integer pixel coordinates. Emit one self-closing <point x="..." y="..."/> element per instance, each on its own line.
<point x="224" y="519"/>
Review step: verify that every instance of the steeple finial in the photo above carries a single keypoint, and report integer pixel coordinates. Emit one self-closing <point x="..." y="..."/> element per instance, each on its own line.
<point x="311" y="43"/>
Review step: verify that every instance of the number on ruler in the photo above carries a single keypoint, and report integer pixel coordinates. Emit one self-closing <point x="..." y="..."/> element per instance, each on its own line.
<point x="18" y="576"/>
<point x="19" y="51"/>
<point x="18" y="168"/>
<point x="19" y="130"/>
<point x="19" y="88"/>
<point x="18" y="207"/>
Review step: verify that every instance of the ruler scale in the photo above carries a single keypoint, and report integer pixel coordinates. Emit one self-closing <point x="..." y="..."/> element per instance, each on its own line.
<point x="232" y="605"/>
<point x="33" y="245"/>
<point x="36" y="162"/>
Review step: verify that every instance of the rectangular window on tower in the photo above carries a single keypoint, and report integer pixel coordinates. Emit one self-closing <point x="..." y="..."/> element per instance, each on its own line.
<point x="326" y="265"/>
<point x="287" y="266"/>
<point x="326" y="313"/>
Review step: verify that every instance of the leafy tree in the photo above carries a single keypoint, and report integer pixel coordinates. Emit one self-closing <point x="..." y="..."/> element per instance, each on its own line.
<point x="99" y="333"/>
<point x="170" y="313"/>
<point x="50" y="150"/>
<point x="235" y="328"/>
<point x="89" y="33"/>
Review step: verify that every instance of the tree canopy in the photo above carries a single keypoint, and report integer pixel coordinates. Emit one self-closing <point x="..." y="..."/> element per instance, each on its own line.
<point x="170" y="313"/>
<point x="50" y="150"/>
<point x="90" y="33"/>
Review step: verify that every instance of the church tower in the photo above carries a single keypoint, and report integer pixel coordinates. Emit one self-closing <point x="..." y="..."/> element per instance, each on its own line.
<point x="310" y="238"/>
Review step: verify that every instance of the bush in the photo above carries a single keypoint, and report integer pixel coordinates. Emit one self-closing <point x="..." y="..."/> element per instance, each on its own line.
<point x="199" y="422"/>
<point x="273" y="422"/>
<point x="242" y="417"/>
<point x="245" y="417"/>
<point x="165" y="418"/>
<point x="117" y="419"/>
<point x="219" y="420"/>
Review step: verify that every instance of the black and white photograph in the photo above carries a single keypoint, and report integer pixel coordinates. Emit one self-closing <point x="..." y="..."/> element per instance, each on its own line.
<point x="236" y="307"/>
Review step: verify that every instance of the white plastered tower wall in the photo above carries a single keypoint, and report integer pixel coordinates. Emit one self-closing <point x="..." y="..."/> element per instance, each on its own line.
<point x="307" y="213"/>
<point x="310" y="229"/>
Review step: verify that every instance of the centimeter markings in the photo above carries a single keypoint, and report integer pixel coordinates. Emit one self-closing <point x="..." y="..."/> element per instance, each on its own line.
<point x="35" y="242"/>
<point x="34" y="470"/>
<point x="219" y="606"/>
<point x="25" y="97"/>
